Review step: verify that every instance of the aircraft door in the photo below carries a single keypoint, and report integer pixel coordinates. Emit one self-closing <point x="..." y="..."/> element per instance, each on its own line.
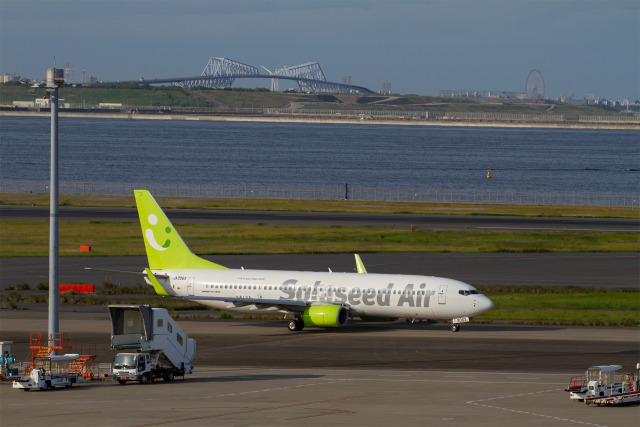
<point x="190" y="285"/>
<point x="442" y="294"/>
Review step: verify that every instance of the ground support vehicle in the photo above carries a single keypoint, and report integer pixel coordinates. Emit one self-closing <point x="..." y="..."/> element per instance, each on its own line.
<point x="49" y="372"/>
<point x="600" y="386"/>
<point x="7" y="370"/>
<point x="157" y="347"/>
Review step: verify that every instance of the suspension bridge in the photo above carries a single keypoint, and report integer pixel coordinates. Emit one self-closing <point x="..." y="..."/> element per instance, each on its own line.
<point x="222" y="72"/>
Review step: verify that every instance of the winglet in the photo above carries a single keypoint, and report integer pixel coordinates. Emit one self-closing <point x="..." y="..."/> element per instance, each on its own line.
<point x="360" y="265"/>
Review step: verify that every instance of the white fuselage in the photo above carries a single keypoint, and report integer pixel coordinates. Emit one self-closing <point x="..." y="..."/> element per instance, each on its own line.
<point x="385" y="295"/>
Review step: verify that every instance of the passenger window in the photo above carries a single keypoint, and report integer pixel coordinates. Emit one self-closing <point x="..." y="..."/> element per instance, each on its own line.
<point x="160" y="323"/>
<point x="179" y="338"/>
<point x="169" y="327"/>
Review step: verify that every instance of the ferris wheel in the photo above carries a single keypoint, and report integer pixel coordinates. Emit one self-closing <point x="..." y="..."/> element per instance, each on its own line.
<point x="535" y="85"/>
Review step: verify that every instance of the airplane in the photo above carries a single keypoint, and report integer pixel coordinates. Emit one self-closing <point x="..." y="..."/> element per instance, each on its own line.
<point x="316" y="299"/>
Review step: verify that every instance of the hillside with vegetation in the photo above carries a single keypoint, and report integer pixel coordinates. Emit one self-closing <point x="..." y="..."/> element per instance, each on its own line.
<point x="133" y="96"/>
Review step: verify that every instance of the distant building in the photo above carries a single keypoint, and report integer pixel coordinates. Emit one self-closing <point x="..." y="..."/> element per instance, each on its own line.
<point x="347" y="80"/>
<point x="464" y="93"/>
<point x="110" y="105"/>
<point x="44" y="103"/>
<point x="386" y="88"/>
<point x="22" y="104"/>
<point x="6" y="78"/>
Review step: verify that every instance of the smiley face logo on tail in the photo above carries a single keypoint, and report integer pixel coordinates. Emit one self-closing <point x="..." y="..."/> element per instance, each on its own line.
<point x="165" y="248"/>
<point x="151" y="238"/>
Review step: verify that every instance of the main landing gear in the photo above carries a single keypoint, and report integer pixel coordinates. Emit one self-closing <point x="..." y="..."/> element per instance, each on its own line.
<point x="455" y="327"/>
<point x="296" y="325"/>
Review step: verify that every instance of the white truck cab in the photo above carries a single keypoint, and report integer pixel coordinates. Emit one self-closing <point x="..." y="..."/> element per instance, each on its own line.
<point x="154" y="345"/>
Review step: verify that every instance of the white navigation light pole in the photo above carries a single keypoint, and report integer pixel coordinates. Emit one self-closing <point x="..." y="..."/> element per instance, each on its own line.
<point x="55" y="79"/>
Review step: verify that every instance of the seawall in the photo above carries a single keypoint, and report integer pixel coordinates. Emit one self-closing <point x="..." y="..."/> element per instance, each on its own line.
<point x="342" y="120"/>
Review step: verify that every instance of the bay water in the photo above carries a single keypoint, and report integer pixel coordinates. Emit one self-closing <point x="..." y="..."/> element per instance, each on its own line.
<point x="205" y="152"/>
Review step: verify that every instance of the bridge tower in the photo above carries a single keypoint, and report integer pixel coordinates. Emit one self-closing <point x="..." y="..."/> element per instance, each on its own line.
<point x="310" y="75"/>
<point x="220" y="73"/>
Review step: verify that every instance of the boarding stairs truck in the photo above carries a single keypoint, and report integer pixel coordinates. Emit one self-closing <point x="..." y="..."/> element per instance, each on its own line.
<point x="49" y="372"/>
<point x="600" y="386"/>
<point x="155" y="346"/>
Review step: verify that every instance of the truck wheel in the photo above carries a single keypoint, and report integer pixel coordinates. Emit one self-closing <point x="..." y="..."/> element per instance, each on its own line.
<point x="122" y="382"/>
<point x="44" y="387"/>
<point x="144" y="379"/>
<point x="168" y="377"/>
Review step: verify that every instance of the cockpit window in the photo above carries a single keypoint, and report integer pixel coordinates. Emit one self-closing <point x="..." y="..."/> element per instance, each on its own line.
<point x="465" y="292"/>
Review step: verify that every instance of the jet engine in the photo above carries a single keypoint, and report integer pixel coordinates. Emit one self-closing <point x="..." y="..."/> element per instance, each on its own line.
<point x="325" y="316"/>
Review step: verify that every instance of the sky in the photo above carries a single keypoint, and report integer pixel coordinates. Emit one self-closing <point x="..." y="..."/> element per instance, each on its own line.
<point x="581" y="47"/>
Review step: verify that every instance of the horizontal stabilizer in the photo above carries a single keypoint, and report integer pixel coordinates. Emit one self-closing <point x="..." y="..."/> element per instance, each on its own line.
<point x="130" y="273"/>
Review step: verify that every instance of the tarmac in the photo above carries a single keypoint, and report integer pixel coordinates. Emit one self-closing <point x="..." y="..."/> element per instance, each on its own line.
<point x="589" y="270"/>
<point x="251" y="372"/>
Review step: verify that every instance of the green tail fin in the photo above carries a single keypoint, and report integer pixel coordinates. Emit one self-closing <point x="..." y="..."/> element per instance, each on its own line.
<point x="165" y="248"/>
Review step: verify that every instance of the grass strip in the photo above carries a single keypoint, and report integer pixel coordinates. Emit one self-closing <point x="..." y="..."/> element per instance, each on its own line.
<point x="351" y="206"/>
<point x="597" y="308"/>
<point x="573" y="306"/>
<point x="560" y="316"/>
<point x="30" y="238"/>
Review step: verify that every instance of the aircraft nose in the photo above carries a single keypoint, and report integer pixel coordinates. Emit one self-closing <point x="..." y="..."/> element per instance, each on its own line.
<point x="483" y="304"/>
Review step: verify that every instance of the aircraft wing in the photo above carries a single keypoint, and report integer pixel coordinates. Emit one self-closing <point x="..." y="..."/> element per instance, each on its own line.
<point x="261" y="303"/>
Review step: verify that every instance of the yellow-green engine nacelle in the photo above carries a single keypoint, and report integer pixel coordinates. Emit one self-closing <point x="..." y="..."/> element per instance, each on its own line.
<point x="325" y="316"/>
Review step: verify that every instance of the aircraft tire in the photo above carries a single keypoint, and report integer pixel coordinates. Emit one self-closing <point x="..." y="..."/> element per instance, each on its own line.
<point x="296" y="325"/>
<point x="455" y="327"/>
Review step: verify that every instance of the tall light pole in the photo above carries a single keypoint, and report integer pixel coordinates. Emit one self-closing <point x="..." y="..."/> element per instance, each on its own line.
<point x="55" y="79"/>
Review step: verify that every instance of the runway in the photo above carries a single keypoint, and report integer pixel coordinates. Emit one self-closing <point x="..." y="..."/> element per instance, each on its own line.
<point x="436" y="222"/>
<point x="592" y="270"/>
<point x="596" y="270"/>
<point x="258" y="373"/>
